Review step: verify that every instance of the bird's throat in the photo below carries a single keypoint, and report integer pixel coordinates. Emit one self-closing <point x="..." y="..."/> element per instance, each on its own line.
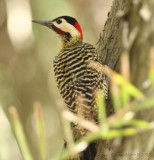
<point x="68" y="40"/>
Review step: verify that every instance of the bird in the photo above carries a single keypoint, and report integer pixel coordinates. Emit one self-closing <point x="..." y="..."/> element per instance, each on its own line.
<point x="77" y="82"/>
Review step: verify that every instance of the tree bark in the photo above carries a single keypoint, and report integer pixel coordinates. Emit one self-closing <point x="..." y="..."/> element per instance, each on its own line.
<point x="109" y="46"/>
<point x="138" y="18"/>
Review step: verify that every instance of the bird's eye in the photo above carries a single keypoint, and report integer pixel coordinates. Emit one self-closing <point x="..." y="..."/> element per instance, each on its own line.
<point x="59" y="21"/>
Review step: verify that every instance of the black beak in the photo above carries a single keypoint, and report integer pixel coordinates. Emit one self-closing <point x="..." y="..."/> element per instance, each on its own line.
<point x="45" y="23"/>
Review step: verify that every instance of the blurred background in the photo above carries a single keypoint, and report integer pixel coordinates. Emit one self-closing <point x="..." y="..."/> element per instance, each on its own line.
<point x="26" y="57"/>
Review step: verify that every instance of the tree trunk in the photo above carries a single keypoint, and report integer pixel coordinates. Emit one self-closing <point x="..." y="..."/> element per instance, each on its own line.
<point x="136" y="19"/>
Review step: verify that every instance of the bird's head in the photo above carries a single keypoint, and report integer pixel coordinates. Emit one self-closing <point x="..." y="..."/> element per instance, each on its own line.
<point x="67" y="27"/>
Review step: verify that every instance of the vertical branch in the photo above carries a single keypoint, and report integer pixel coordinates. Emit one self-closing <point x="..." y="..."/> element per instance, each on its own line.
<point x="109" y="46"/>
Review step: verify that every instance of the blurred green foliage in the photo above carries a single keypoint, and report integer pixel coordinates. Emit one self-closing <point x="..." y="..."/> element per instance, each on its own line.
<point x="121" y="123"/>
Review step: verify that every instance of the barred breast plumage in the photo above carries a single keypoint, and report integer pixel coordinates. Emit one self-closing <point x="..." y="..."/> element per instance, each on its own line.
<point x="78" y="82"/>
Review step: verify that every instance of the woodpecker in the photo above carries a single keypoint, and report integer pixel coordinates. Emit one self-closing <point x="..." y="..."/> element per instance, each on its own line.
<point x="76" y="80"/>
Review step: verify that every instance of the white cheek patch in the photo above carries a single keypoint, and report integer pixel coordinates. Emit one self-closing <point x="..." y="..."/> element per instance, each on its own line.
<point x="66" y="27"/>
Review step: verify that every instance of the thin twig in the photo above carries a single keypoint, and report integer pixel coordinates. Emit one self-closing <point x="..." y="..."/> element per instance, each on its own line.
<point x="90" y="126"/>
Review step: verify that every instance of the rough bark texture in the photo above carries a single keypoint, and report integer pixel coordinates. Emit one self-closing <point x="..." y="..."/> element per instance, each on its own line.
<point x="139" y="15"/>
<point x="109" y="45"/>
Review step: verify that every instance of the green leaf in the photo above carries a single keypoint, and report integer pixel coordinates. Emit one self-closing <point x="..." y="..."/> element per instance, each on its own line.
<point x="101" y="107"/>
<point x="115" y="93"/>
<point x="131" y="89"/>
<point x="20" y="135"/>
<point x="111" y="134"/>
<point x="139" y="123"/>
<point x="125" y="96"/>
<point x="40" y="131"/>
<point x="129" y="132"/>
